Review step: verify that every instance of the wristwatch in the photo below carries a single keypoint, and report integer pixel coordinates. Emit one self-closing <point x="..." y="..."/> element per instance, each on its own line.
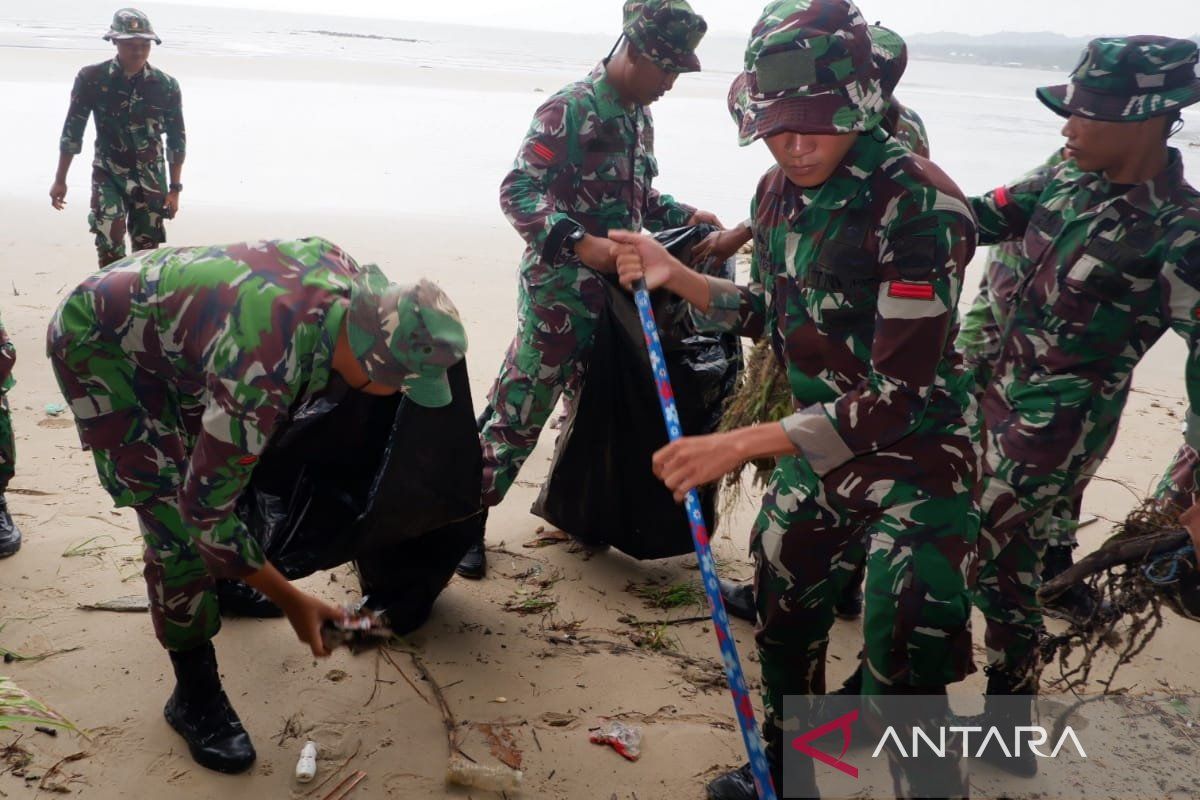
<point x="576" y="236"/>
<point x="175" y="187"/>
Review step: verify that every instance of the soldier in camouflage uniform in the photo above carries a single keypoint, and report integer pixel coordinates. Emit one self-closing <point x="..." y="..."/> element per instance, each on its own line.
<point x="860" y="248"/>
<point x="979" y="341"/>
<point x="586" y="166"/>
<point x="1110" y="261"/>
<point x="178" y="365"/>
<point x="10" y="536"/>
<point x="134" y="105"/>
<point x="890" y="55"/>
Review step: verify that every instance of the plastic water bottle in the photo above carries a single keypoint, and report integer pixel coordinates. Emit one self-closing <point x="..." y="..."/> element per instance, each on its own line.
<point x="306" y="767"/>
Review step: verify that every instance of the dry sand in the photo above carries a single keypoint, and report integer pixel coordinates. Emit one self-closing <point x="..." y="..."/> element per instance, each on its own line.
<point x="496" y="666"/>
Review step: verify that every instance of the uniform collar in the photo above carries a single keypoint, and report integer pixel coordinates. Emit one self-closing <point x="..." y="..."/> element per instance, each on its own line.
<point x="147" y="72"/>
<point x="1148" y="196"/>
<point x="848" y="179"/>
<point x="608" y="100"/>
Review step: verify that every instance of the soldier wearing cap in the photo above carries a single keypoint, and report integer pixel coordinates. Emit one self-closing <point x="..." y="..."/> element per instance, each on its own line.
<point x="890" y="54"/>
<point x="134" y="105"/>
<point x="860" y="249"/>
<point x="586" y="166"/>
<point x="178" y="365"/>
<point x="1110" y="261"/>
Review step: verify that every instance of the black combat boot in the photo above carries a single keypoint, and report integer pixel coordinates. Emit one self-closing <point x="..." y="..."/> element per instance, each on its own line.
<point x="850" y="605"/>
<point x="1077" y="604"/>
<point x="473" y="565"/>
<point x="739" y="600"/>
<point x="10" y="535"/>
<point x="1008" y="704"/>
<point x="199" y="711"/>
<point x="237" y="599"/>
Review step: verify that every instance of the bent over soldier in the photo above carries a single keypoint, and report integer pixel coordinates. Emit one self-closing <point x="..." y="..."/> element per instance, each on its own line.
<point x="587" y="166"/>
<point x="860" y="248"/>
<point x="134" y="105"/>
<point x="1110" y="260"/>
<point x="179" y="364"/>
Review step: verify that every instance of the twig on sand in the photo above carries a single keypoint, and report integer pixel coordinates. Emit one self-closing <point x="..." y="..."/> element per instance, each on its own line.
<point x="388" y="657"/>
<point x="334" y="774"/>
<point x="54" y="768"/>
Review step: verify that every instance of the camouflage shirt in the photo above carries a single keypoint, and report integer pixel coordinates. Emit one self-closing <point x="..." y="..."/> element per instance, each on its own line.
<point x="132" y="115"/>
<point x="984" y="323"/>
<point x="1106" y="271"/>
<point x="587" y="159"/>
<point x="8" y="357"/>
<point x="240" y="332"/>
<point x="857" y="282"/>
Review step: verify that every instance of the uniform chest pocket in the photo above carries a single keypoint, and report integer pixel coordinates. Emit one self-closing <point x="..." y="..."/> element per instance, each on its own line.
<point x="606" y="160"/>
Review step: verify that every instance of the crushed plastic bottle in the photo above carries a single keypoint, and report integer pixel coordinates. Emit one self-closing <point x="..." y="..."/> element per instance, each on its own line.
<point x="461" y="772"/>
<point x="625" y="739"/>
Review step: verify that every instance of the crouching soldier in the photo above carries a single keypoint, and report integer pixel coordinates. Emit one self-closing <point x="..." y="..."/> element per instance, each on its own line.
<point x="178" y="364"/>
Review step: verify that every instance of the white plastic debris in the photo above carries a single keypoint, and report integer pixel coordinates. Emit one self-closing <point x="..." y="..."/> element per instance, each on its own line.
<point x="306" y="767"/>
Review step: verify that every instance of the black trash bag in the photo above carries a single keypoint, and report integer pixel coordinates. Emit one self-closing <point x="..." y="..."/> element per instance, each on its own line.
<point x="381" y="481"/>
<point x="601" y="489"/>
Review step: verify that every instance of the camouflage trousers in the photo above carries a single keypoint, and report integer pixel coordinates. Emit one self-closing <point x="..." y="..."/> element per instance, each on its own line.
<point x="914" y="522"/>
<point x="8" y="444"/>
<point x="1035" y="470"/>
<point x="121" y="206"/>
<point x="556" y="322"/>
<point x="140" y="430"/>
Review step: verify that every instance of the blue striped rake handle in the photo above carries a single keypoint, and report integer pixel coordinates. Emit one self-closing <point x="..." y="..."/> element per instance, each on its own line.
<point x="708" y="569"/>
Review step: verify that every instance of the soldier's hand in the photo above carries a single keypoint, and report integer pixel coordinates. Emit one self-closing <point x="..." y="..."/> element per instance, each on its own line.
<point x="597" y="253"/>
<point x="705" y="218"/>
<point x="306" y="614"/>
<point x="720" y="244"/>
<point x="641" y="257"/>
<point x="171" y="205"/>
<point x="695" y="461"/>
<point x="58" y="194"/>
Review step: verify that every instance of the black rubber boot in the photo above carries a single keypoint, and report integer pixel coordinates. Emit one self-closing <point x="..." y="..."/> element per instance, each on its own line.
<point x="236" y="599"/>
<point x="1001" y="711"/>
<point x="1077" y="604"/>
<point x="473" y="565"/>
<point x="735" y="785"/>
<point x="739" y="600"/>
<point x="850" y="606"/>
<point x="10" y="535"/>
<point x="199" y="711"/>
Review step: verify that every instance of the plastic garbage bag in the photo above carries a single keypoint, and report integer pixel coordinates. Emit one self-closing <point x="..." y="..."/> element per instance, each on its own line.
<point x="381" y="481"/>
<point x="601" y="489"/>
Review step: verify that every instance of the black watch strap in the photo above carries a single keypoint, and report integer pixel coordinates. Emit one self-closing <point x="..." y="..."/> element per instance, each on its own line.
<point x="175" y="187"/>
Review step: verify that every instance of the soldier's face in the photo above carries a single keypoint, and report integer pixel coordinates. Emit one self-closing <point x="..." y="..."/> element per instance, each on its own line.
<point x="648" y="81"/>
<point x="133" y="54"/>
<point x="1098" y="146"/>
<point x="808" y="159"/>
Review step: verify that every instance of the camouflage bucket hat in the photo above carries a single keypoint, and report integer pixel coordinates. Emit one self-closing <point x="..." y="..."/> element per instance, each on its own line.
<point x="808" y="69"/>
<point x="405" y="336"/>
<point x="1128" y="79"/>
<point x="129" y="23"/>
<point x="890" y="54"/>
<point x="665" y="31"/>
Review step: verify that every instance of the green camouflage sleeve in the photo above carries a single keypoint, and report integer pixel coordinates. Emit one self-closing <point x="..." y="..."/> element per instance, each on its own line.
<point x="541" y="170"/>
<point x="77" y="117"/>
<point x="664" y="212"/>
<point x="173" y="123"/>
<point x="738" y="309"/>
<point x="1004" y="213"/>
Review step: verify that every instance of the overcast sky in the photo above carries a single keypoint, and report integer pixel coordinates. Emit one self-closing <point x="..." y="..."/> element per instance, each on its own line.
<point x="1074" y="17"/>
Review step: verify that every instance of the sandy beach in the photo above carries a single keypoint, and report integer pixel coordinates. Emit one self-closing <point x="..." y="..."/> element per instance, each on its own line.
<point x="260" y="132"/>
